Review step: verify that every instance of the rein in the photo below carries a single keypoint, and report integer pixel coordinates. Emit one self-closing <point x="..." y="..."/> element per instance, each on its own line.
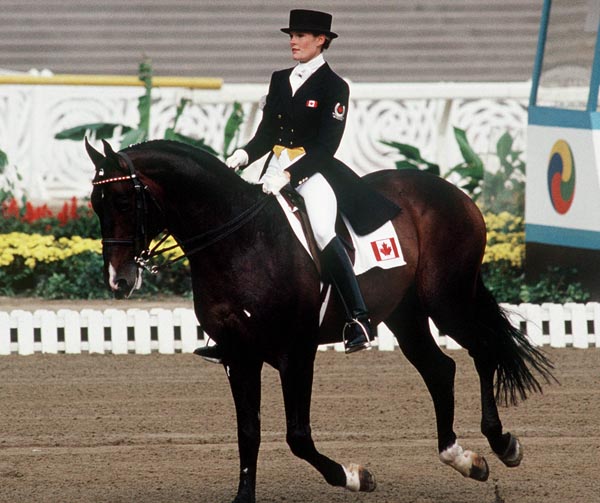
<point x="197" y="243"/>
<point x="203" y="240"/>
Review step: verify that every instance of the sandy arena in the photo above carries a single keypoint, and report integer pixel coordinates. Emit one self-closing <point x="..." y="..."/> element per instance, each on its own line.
<point x="161" y="429"/>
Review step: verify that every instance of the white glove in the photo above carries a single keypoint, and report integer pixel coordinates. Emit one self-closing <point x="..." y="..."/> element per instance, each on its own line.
<point x="238" y="159"/>
<point x="274" y="181"/>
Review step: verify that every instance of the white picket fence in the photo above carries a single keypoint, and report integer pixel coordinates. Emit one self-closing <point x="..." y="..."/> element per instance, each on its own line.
<point x="168" y="331"/>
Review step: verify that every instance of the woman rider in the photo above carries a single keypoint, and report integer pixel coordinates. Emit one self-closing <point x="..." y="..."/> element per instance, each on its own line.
<point x="302" y="126"/>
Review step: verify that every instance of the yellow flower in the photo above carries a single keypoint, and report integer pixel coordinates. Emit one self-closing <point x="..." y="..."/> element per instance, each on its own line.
<point x="35" y="248"/>
<point x="505" y="238"/>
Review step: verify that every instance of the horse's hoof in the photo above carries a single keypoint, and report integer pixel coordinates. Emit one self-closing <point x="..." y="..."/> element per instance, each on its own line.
<point x="367" y="481"/>
<point x="479" y="470"/>
<point x="358" y="478"/>
<point x="514" y="453"/>
<point x="467" y="463"/>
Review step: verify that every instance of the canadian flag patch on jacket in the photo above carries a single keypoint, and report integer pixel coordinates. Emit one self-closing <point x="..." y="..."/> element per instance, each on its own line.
<point x="312" y="103"/>
<point x="385" y="249"/>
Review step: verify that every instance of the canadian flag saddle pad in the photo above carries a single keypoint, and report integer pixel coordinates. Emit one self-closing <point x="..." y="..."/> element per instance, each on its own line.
<point x="380" y="248"/>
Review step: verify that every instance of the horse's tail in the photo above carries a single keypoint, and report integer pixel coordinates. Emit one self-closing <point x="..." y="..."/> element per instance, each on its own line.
<point x="517" y="359"/>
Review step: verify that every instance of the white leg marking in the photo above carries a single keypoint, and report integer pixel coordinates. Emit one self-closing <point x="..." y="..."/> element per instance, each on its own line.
<point x="112" y="273"/>
<point x="457" y="458"/>
<point x="138" y="280"/>
<point x="352" y="477"/>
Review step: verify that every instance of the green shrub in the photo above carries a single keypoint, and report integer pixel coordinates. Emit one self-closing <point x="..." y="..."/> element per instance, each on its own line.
<point x="503" y="267"/>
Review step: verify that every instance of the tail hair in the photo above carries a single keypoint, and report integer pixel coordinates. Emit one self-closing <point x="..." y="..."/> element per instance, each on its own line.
<point x="520" y="364"/>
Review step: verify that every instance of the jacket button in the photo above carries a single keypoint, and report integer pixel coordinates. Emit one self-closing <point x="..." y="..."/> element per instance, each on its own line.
<point x="279" y="139"/>
<point x="279" y="116"/>
<point x="281" y="127"/>
<point x="292" y="130"/>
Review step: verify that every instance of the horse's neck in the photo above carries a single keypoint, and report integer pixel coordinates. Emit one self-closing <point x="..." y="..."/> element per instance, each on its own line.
<point x="201" y="208"/>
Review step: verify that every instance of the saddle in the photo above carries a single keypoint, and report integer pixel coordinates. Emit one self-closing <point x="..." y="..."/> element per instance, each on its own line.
<point x="296" y="205"/>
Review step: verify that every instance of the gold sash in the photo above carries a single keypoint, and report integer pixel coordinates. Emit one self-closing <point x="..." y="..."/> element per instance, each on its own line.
<point x="291" y="152"/>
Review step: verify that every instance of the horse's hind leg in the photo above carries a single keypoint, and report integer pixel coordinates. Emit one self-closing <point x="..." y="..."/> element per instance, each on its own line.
<point x="296" y="373"/>
<point x="411" y="328"/>
<point x="496" y="347"/>
<point x="505" y="445"/>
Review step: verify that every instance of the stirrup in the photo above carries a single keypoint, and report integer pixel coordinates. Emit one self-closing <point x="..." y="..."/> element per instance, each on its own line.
<point x="359" y="342"/>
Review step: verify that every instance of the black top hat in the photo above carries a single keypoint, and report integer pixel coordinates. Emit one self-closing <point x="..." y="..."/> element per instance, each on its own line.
<point x="311" y="21"/>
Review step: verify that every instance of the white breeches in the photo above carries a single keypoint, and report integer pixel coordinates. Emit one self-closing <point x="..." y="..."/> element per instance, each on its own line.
<point x="320" y="200"/>
<point x="321" y="206"/>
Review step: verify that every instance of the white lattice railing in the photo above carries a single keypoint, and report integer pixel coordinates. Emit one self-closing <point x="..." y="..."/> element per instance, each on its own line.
<point x="418" y="114"/>
<point x="169" y="331"/>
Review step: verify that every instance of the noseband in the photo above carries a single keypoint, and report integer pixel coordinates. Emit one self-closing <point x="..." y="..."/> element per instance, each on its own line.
<point x="140" y="240"/>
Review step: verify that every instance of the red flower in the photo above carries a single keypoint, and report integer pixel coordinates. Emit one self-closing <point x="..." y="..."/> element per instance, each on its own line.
<point x="10" y="209"/>
<point x="63" y="215"/>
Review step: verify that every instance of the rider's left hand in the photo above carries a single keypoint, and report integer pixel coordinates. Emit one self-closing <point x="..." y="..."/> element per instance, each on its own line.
<point x="274" y="181"/>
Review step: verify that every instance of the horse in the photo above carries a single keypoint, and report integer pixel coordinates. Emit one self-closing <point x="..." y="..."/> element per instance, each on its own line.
<point x="257" y="293"/>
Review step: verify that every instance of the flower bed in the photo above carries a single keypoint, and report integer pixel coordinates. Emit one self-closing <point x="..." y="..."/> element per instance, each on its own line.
<point x="60" y="256"/>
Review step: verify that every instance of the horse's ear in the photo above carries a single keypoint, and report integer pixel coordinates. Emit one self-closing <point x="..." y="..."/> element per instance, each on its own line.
<point x="108" y="150"/>
<point x="93" y="154"/>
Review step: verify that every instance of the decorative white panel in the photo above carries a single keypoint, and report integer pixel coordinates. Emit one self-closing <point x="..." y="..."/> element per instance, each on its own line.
<point x="420" y="115"/>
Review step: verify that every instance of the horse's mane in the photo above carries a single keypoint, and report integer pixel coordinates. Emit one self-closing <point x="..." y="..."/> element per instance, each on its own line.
<point x="178" y="148"/>
<point x="188" y="162"/>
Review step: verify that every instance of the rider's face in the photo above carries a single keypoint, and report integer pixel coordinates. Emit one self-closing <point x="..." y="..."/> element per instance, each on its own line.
<point x="305" y="46"/>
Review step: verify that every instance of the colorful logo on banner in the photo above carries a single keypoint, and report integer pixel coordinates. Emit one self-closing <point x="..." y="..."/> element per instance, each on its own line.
<point x="561" y="176"/>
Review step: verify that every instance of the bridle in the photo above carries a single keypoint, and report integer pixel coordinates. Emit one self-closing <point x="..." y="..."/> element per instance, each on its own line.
<point x="140" y="240"/>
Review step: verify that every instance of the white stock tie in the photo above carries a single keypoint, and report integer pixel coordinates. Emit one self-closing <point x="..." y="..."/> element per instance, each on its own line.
<point x="297" y="78"/>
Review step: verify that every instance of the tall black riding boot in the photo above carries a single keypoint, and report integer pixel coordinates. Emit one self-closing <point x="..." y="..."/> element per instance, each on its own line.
<point x="336" y="263"/>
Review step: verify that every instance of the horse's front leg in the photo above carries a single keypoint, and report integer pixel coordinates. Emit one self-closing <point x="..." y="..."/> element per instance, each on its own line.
<point x="244" y="380"/>
<point x="296" y="373"/>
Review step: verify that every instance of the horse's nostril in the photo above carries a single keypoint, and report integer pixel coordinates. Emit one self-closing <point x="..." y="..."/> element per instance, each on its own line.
<point x="122" y="288"/>
<point x="122" y="284"/>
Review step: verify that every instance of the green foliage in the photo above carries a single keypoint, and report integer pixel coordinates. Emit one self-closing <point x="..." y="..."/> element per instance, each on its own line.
<point x="496" y="192"/>
<point x="232" y="129"/>
<point x="471" y="169"/>
<point x="412" y="158"/>
<point x="171" y="134"/>
<point x="80" y="277"/>
<point x="77" y="277"/>
<point x="132" y="135"/>
<point x="100" y="130"/>
<point x="557" y="285"/>
<point x="508" y="284"/>
<point x="504" y="190"/>
<point x="106" y="130"/>
<point x="7" y="179"/>
<point x="3" y="161"/>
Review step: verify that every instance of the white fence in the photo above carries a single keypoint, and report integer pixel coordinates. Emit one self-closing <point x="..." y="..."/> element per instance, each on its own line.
<point x="168" y="331"/>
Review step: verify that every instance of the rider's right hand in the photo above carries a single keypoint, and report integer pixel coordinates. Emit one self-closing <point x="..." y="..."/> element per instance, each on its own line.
<point x="238" y="159"/>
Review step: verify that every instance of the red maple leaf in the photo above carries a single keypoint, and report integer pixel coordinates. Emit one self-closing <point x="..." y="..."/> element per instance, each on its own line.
<point x="385" y="249"/>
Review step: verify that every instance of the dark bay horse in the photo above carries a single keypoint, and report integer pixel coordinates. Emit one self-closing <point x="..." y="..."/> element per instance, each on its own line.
<point x="257" y="293"/>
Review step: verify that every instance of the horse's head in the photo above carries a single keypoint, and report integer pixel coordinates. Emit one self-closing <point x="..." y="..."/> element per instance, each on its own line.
<point x="123" y="208"/>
